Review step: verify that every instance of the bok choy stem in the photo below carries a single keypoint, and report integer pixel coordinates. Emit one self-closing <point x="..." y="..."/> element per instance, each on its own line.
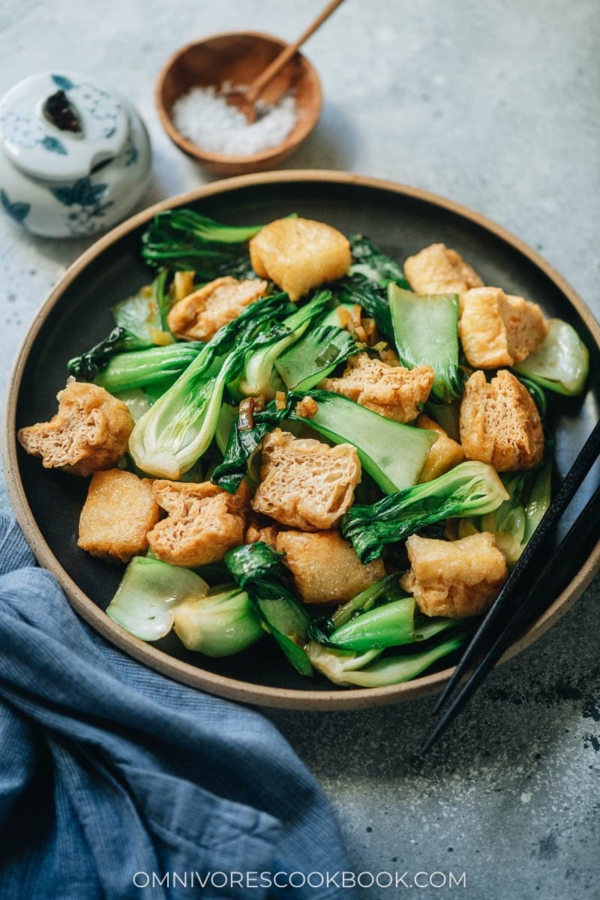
<point x="177" y="430"/>
<point x="258" y="570"/>
<point x="140" y="368"/>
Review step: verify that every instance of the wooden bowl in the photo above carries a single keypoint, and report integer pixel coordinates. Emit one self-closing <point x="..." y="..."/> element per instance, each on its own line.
<point x="239" y="57"/>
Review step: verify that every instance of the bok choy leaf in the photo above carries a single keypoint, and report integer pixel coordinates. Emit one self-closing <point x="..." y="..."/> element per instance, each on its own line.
<point x="258" y="570"/>
<point x="471" y="488"/>
<point x="562" y="362"/>
<point x="367" y="281"/>
<point x="184" y="239"/>
<point x="259" y="375"/>
<point x="426" y="332"/>
<point x="314" y="357"/>
<point x="140" y="368"/>
<point x="149" y="591"/>
<point x="244" y="441"/>
<point x="394" y="669"/>
<point x="392" y="454"/>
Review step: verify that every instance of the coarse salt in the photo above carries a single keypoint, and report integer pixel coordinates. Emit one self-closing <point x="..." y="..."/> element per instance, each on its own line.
<point x="203" y="116"/>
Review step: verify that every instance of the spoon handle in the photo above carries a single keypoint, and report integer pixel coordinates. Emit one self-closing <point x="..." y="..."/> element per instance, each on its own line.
<point x="257" y="86"/>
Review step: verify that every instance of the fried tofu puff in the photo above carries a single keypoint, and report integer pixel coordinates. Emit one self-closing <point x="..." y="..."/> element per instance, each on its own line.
<point x="500" y="423"/>
<point x="443" y="455"/>
<point x="119" y="511"/>
<point x="199" y="315"/>
<point x="325" y="567"/>
<point x="457" y="579"/>
<point x="203" y="522"/>
<point x="439" y="270"/>
<point x="391" y="391"/>
<point x="304" y="483"/>
<point x="497" y="329"/>
<point x="89" y="432"/>
<point x="299" y="254"/>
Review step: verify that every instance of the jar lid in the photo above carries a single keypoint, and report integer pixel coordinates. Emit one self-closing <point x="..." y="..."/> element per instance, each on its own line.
<point x="60" y="126"/>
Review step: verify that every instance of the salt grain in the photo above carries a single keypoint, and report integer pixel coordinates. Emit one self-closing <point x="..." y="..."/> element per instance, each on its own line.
<point x="204" y="117"/>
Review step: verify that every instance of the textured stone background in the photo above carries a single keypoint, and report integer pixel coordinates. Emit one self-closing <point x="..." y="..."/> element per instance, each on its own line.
<point x="496" y="105"/>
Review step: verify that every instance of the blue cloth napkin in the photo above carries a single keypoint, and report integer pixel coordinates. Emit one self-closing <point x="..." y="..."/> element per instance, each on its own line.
<point x="117" y="783"/>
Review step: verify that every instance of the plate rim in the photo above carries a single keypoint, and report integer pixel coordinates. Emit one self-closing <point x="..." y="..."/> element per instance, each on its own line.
<point x="186" y="673"/>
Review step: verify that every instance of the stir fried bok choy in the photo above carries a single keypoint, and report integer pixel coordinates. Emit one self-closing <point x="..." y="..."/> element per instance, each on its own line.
<point x="471" y="488"/>
<point x="170" y="438"/>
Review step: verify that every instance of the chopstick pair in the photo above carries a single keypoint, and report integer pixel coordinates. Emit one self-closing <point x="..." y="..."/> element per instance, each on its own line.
<point x="525" y="595"/>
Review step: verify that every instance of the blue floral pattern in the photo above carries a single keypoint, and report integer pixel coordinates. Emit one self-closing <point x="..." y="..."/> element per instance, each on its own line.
<point x="62" y="82"/>
<point x="17" y="211"/>
<point x="53" y="145"/>
<point x="130" y="151"/>
<point x="85" y="200"/>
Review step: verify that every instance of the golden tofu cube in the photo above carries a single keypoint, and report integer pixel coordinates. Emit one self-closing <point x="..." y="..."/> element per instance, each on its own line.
<point x="117" y="515"/>
<point x="457" y="579"/>
<point x="443" y="455"/>
<point x="198" y="316"/>
<point x="299" y="254"/>
<point x="391" y="391"/>
<point x="325" y="567"/>
<point x="500" y="423"/>
<point x="305" y="483"/>
<point x="89" y="432"/>
<point x="439" y="270"/>
<point x="498" y="329"/>
<point x="203" y="522"/>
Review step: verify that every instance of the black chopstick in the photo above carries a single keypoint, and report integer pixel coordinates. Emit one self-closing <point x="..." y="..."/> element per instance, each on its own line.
<point x="541" y="593"/>
<point x="522" y="573"/>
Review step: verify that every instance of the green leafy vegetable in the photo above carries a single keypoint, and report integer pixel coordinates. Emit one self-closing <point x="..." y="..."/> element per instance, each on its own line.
<point x="149" y="591"/>
<point x="373" y="264"/>
<point x="184" y="239"/>
<point x="393" y="669"/>
<point x="141" y="316"/>
<point x="383" y="591"/>
<point x="426" y="332"/>
<point x="314" y="357"/>
<point x="259" y="375"/>
<point x="392" y="454"/>
<point x="471" y="488"/>
<point x="219" y="625"/>
<point x="367" y="281"/>
<point x="140" y="368"/>
<point x="87" y="366"/>
<point x="515" y="520"/>
<point x="243" y="442"/>
<point x="258" y="570"/>
<point x="180" y="426"/>
<point x="385" y="626"/>
<point x="562" y="362"/>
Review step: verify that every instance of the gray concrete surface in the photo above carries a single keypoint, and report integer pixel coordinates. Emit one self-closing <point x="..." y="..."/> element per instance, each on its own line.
<point x="496" y="105"/>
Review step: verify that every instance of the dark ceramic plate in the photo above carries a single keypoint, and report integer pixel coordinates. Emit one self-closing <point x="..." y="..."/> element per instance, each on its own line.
<point x="77" y="314"/>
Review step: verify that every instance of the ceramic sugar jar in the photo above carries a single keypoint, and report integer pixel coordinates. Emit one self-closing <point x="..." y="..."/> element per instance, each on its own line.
<point x="74" y="157"/>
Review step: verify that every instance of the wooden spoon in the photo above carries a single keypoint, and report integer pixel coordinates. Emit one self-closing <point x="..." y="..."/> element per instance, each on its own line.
<point x="245" y="99"/>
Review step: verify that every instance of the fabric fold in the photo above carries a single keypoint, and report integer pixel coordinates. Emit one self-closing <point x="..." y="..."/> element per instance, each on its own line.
<point x="133" y="773"/>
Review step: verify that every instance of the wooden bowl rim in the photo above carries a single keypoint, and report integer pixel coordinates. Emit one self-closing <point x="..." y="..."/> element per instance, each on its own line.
<point x="290" y="143"/>
<point x="186" y="673"/>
